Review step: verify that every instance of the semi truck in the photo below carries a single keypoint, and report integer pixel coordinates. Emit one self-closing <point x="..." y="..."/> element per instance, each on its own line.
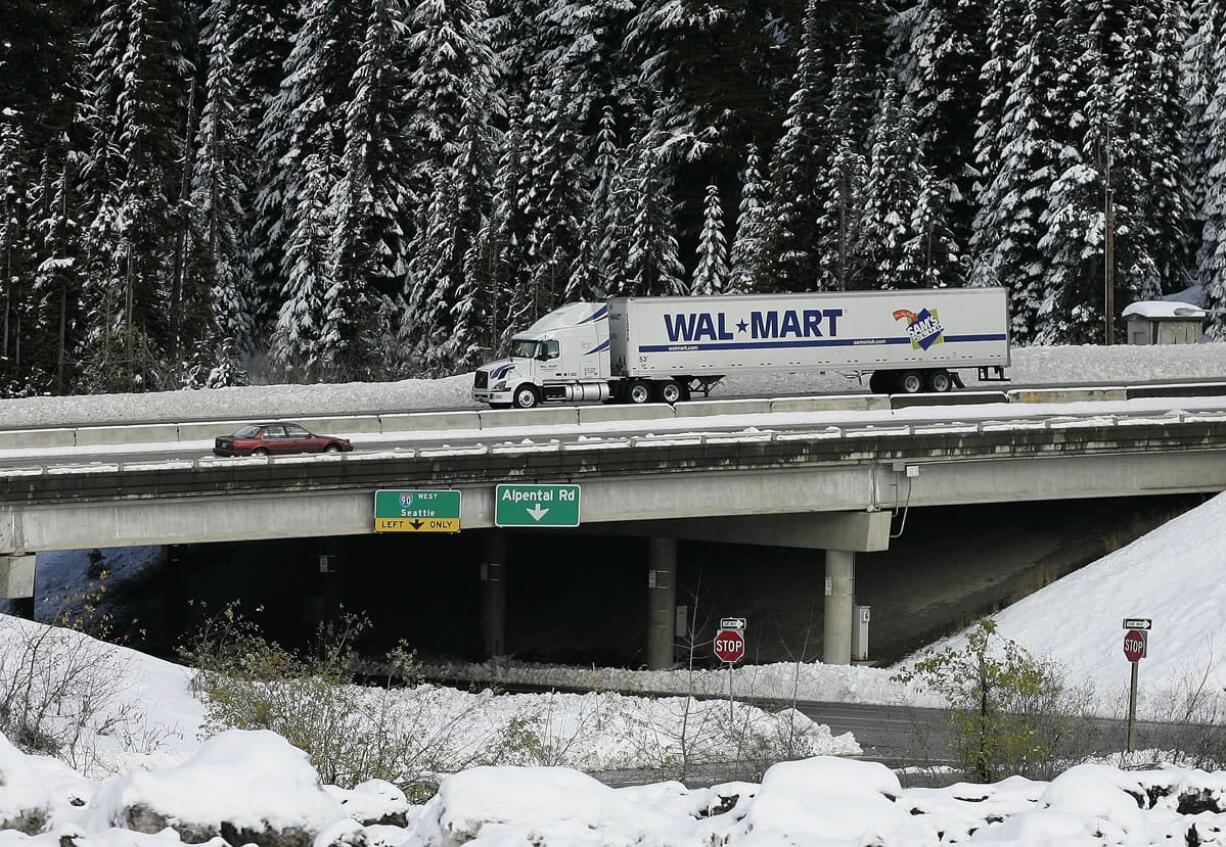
<point x="665" y="349"/>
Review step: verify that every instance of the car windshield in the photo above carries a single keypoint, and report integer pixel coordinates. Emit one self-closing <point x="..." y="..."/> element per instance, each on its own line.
<point x="522" y="348"/>
<point x="249" y="431"/>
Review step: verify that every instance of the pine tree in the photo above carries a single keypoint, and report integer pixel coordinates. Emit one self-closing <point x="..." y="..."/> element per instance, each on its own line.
<point x="596" y="264"/>
<point x="1011" y="205"/>
<point x="218" y="197"/>
<point x="932" y="257"/>
<point x="746" y="258"/>
<point x="948" y="48"/>
<point x="653" y="268"/>
<point x="841" y="188"/>
<point x="296" y="342"/>
<point x="367" y="250"/>
<point x="15" y="248"/>
<point x="796" y="167"/>
<point x="449" y="54"/>
<point x="891" y="193"/>
<point x="711" y="273"/>
<point x="1211" y="256"/>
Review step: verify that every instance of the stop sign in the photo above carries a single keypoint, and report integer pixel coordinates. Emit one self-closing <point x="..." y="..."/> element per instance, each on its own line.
<point x="1134" y="645"/>
<point x="729" y="645"/>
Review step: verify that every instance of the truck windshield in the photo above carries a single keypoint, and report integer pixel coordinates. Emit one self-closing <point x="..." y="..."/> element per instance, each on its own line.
<point x="522" y="348"/>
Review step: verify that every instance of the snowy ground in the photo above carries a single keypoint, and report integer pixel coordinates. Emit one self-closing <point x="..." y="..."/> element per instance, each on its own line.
<point x="110" y="708"/>
<point x="1031" y="365"/>
<point x="1172" y="575"/>
<point x="252" y="787"/>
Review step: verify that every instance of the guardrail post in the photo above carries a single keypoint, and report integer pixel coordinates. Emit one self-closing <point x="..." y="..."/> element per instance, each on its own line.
<point x="839" y="611"/>
<point x="494" y="594"/>
<point x="661" y="602"/>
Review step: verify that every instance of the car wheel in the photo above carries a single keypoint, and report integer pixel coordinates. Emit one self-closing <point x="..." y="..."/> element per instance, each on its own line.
<point x="939" y="381"/>
<point x="526" y="397"/>
<point x="260" y="451"/>
<point x="332" y="448"/>
<point x="638" y="393"/>
<point x="911" y="382"/>
<point x="670" y="392"/>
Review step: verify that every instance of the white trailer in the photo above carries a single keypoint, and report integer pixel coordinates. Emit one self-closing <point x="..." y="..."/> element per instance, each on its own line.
<point x="641" y="349"/>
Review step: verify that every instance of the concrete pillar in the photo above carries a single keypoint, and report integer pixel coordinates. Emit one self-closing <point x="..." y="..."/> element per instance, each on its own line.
<point x="17" y="584"/>
<point x="494" y="594"/>
<point x="661" y="602"/>
<point x="839" y="612"/>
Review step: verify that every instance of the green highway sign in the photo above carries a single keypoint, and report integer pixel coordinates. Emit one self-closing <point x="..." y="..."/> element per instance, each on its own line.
<point x="417" y="511"/>
<point x="536" y="505"/>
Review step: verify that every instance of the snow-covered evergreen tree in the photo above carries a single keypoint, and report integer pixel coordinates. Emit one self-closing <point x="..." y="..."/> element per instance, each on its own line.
<point x="1005" y="245"/>
<point x="218" y="198"/>
<point x="891" y="193"/>
<point x="932" y="257"/>
<point x="296" y="341"/>
<point x="841" y="187"/>
<point x="1210" y="165"/>
<point x="790" y="263"/>
<point x="746" y="257"/>
<point x="654" y="267"/>
<point x="15" y="249"/>
<point x="597" y="251"/>
<point x="711" y="272"/>
<point x="449" y="54"/>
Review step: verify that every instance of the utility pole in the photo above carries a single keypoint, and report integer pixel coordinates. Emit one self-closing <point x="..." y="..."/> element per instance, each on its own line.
<point x="1109" y="248"/>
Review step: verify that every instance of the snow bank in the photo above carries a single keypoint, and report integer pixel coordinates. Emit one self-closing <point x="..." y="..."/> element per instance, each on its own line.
<point x="255" y="788"/>
<point x="1031" y="365"/>
<point x="809" y="681"/>
<point x="1172" y="575"/>
<point x="252" y="783"/>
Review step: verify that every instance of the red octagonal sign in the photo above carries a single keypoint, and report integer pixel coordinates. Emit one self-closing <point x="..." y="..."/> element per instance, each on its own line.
<point x="729" y="646"/>
<point x="1134" y="645"/>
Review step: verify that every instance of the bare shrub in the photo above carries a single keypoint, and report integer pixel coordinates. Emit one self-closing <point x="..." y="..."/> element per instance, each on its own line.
<point x="60" y="685"/>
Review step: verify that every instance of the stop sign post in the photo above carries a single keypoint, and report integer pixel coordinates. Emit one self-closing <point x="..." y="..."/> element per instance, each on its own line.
<point x="729" y="648"/>
<point x="1136" y="645"/>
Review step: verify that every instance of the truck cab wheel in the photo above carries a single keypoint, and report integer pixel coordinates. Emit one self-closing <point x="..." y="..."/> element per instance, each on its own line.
<point x="939" y="381"/>
<point x="638" y="392"/>
<point x="527" y="397"/>
<point x="671" y="392"/>
<point x="911" y="382"/>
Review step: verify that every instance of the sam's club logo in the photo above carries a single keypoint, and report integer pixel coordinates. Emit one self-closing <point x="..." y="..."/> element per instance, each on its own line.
<point x="406" y="499"/>
<point x="924" y="329"/>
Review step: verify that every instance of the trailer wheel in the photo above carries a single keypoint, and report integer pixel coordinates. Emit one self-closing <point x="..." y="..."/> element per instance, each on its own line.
<point x="939" y="381"/>
<point x="671" y="392"/>
<point x="638" y="392"/>
<point x="880" y="382"/>
<point x="911" y="382"/>
<point x="527" y="397"/>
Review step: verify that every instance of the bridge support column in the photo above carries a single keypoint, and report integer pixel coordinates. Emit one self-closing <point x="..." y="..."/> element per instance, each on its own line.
<point x="17" y="583"/>
<point x="494" y="594"/>
<point x="839" y="611"/>
<point x="661" y="602"/>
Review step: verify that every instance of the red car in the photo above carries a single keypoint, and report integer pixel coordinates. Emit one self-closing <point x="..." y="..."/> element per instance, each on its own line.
<point x="275" y="439"/>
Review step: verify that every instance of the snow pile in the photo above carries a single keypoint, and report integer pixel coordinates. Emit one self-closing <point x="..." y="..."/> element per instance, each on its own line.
<point x="254" y="788"/>
<point x="780" y="681"/>
<point x="253" y="784"/>
<point x="1172" y="575"/>
<point x="1030" y="365"/>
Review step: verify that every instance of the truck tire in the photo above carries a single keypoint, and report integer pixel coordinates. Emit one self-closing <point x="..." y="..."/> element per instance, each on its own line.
<point x="638" y="392"/>
<point x="527" y="397"/>
<point x="670" y="392"/>
<point x="939" y="381"/>
<point x="910" y="382"/>
<point x="880" y="382"/>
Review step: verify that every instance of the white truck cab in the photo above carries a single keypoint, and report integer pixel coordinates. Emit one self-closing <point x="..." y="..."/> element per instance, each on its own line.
<point x="564" y="356"/>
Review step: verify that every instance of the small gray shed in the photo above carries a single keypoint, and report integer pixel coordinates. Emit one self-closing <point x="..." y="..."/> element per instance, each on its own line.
<point x="1165" y="322"/>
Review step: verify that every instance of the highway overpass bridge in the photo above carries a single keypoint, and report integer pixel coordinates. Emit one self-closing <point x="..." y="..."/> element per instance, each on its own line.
<point x="831" y="488"/>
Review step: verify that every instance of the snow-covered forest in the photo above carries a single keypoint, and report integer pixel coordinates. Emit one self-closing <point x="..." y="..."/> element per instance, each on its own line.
<point x="369" y="189"/>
